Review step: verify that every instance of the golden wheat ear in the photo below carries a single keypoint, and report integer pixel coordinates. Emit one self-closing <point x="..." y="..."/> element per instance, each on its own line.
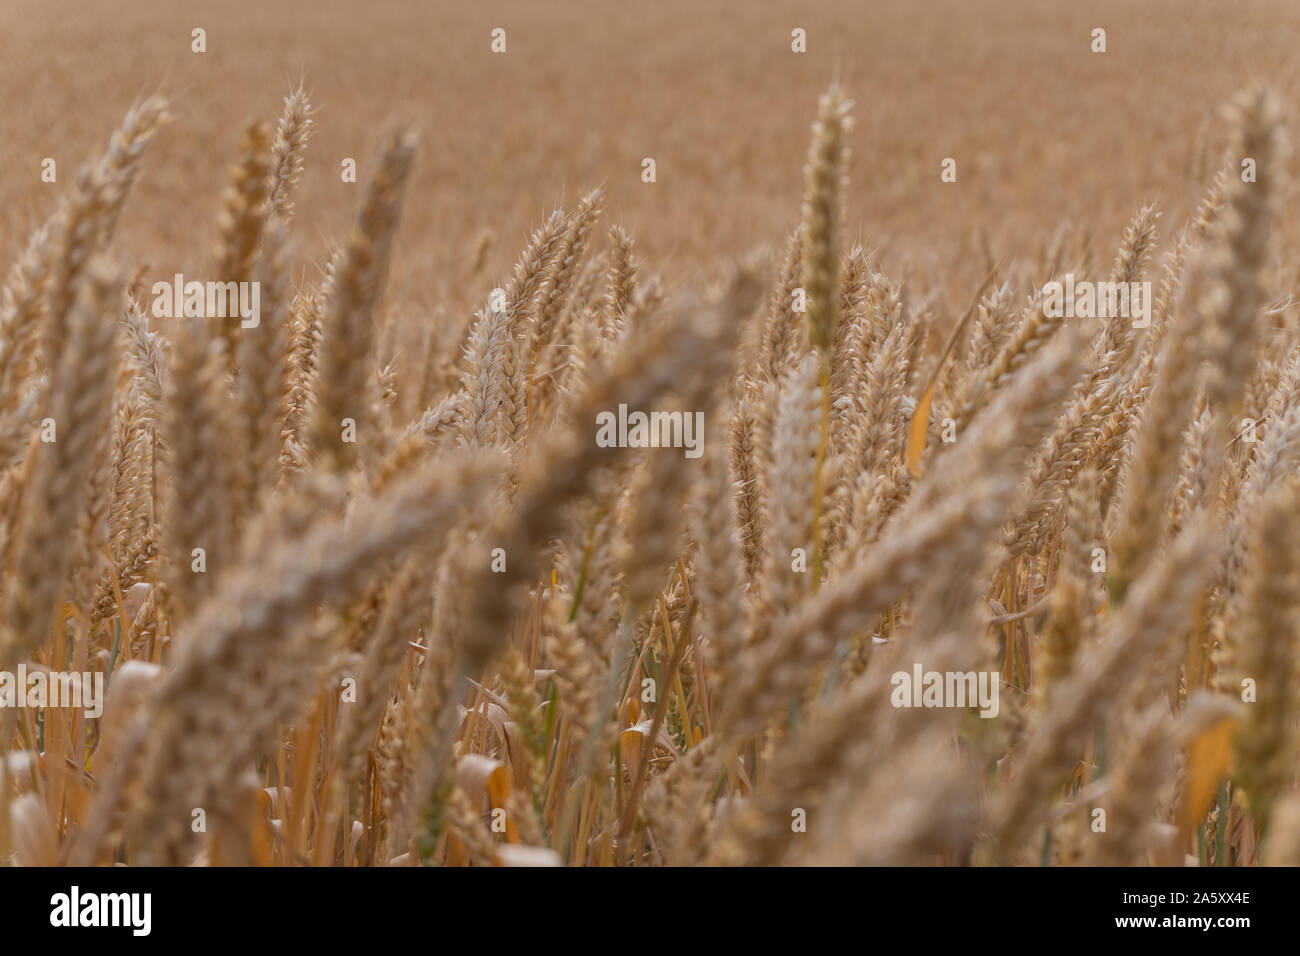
<point x="79" y="393"/>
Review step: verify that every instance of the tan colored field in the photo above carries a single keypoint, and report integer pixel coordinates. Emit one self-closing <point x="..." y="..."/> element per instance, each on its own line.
<point x="1046" y="134"/>
<point x="385" y="573"/>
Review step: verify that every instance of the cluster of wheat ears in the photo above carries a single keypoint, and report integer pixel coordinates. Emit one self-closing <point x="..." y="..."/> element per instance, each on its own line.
<point x="367" y="590"/>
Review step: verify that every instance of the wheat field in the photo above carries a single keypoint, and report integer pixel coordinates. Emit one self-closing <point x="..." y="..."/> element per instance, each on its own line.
<point x="774" y="500"/>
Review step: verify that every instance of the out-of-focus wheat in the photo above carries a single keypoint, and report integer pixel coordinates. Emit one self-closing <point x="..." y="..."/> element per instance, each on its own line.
<point x="364" y="578"/>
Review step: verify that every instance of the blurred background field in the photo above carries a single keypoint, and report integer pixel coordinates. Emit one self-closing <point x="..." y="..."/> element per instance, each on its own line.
<point x="1044" y="132"/>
